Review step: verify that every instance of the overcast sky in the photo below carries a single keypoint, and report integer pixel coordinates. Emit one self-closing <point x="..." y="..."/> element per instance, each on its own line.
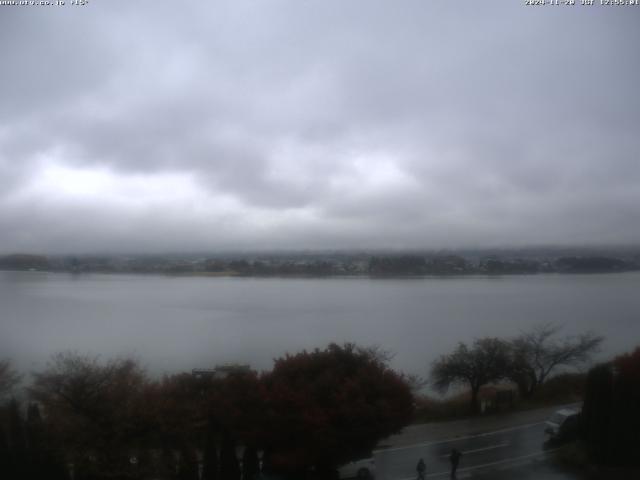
<point x="179" y="126"/>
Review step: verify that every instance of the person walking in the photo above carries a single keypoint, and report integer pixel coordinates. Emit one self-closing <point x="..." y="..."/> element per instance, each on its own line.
<point x="421" y="468"/>
<point x="454" y="458"/>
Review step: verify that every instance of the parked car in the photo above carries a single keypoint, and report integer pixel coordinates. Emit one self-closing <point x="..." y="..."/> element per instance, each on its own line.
<point x="563" y="425"/>
<point x="363" y="469"/>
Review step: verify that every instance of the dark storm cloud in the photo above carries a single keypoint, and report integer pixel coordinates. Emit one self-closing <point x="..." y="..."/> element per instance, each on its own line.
<point x="317" y="124"/>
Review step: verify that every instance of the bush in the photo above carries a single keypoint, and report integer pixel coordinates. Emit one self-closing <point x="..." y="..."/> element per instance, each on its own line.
<point x="563" y="388"/>
<point x="429" y="409"/>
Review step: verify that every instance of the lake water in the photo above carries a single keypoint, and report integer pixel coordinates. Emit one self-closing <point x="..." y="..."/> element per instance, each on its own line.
<point x="178" y="323"/>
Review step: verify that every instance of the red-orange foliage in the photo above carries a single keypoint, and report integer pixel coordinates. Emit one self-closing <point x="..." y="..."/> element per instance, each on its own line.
<point x="611" y="414"/>
<point x="236" y="404"/>
<point x="328" y="406"/>
<point x="628" y="367"/>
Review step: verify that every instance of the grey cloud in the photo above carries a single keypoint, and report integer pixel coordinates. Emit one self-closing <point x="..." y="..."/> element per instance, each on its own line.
<point x="506" y="124"/>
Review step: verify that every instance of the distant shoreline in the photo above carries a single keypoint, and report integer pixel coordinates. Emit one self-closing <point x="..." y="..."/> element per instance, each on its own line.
<point x="335" y="265"/>
<point x="309" y="276"/>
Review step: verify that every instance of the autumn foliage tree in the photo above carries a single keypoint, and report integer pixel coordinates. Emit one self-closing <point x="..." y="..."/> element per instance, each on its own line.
<point x="327" y="407"/>
<point x="175" y="408"/>
<point x="610" y="413"/>
<point x="236" y="404"/>
<point x="236" y="411"/>
<point x="314" y="409"/>
<point x="209" y="413"/>
<point x="93" y="409"/>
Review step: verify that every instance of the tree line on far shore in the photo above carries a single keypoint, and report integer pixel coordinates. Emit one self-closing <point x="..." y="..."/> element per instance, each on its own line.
<point x="324" y="265"/>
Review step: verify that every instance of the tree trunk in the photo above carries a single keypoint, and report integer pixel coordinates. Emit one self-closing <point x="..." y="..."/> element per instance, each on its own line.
<point x="532" y="387"/>
<point x="523" y="387"/>
<point x="210" y="457"/>
<point x="250" y="464"/>
<point x="475" y="406"/>
<point x="229" y="468"/>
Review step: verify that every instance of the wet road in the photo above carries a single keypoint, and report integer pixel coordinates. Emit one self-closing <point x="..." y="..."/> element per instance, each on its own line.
<point x="480" y="451"/>
<point x="497" y="452"/>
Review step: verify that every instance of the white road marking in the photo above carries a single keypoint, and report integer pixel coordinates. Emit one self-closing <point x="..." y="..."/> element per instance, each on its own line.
<point x="476" y="450"/>
<point x="455" y="439"/>
<point x="483" y="465"/>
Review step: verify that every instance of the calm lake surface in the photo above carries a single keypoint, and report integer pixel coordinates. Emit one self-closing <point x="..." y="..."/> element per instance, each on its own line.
<point x="178" y="323"/>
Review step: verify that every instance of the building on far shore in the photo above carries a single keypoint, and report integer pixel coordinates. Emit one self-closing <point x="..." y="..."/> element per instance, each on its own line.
<point x="219" y="372"/>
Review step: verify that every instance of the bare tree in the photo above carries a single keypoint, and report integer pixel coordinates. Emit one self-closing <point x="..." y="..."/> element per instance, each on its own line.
<point x="538" y="352"/>
<point x="94" y="408"/>
<point x="82" y="385"/>
<point x="378" y="353"/>
<point x="9" y="378"/>
<point x="416" y="383"/>
<point x="485" y="362"/>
